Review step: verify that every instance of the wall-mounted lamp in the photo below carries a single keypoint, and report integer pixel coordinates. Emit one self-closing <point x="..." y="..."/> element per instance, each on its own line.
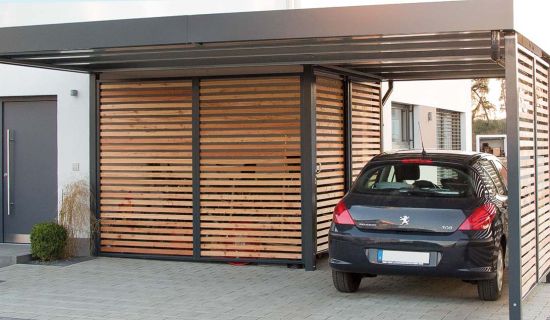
<point x="74" y="93"/>
<point x="429" y="116"/>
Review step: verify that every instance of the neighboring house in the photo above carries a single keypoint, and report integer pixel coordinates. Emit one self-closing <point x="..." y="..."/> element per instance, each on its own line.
<point x="437" y="111"/>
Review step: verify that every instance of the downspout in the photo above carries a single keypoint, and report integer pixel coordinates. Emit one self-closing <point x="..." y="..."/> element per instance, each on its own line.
<point x="385" y="99"/>
<point x="388" y="93"/>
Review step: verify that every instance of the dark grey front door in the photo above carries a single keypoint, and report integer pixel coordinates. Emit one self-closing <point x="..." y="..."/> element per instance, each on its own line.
<point x="29" y="135"/>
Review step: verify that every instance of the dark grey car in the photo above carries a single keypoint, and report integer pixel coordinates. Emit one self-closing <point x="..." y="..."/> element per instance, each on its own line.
<point x="436" y="213"/>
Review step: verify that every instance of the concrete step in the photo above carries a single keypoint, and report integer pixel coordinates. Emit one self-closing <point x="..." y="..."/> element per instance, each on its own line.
<point x="14" y="253"/>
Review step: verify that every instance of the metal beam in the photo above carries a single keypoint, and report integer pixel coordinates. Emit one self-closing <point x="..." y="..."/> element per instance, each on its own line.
<point x="514" y="180"/>
<point x="94" y="163"/>
<point x="414" y="18"/>
<point x="195" y="120"/>
<point x="308" y="166"/>
<point x="313" y="47"/>
<point x="41" y="65"/>
<point x="348" y="143"/>
<point x="340" y="55"/>
<point x="353" y="72"/>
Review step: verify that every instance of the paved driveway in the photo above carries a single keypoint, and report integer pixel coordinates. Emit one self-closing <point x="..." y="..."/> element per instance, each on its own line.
<point x="109" y="288"/>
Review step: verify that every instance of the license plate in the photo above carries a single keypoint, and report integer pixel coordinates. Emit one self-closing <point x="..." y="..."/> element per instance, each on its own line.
<point x="403" y="257"/>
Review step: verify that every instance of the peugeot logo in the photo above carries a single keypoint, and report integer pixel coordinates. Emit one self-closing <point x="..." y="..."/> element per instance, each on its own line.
<point x="404" y="220"/>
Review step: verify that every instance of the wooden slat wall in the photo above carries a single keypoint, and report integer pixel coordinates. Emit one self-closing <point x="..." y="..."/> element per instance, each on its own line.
<point x="366" y="124"/>
<point x="330" y="153"/>
<point x="543" y="167"/>
<point x="145" y="168"/>
<point x="250" y="167"/>
<point x="528" y="202"/>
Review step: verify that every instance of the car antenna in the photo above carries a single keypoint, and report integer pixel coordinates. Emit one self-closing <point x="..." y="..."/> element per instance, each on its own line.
<point x="422" y="140"/>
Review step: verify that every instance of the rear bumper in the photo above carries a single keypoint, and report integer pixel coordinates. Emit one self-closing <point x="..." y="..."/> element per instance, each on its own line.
<point x="451" y="255"/>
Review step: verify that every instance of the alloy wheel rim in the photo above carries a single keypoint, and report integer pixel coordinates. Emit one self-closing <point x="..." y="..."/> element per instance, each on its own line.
<point x="500" y="271"/>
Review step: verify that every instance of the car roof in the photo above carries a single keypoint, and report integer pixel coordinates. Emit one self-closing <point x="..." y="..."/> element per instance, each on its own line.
<point x="448" y="156"/>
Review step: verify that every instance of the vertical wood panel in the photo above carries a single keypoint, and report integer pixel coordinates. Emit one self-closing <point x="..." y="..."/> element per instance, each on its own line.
<point x="543" y="167"/>
<point x="528" y="203"/>
<point x="250" y="167"/>
<point x="366" y="124"/>
<point x="330" y="153"/>
<point x="145" y="168"/>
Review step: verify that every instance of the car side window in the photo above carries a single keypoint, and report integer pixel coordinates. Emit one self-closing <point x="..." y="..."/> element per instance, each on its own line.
<point x="503" y="172"/>
<point x="373" y="179"/>
<point x="491" y="178"/>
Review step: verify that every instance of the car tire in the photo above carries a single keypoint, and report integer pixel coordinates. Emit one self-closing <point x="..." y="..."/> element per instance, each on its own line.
<point x="346" y="281"/>
<point x="491" y="290"/>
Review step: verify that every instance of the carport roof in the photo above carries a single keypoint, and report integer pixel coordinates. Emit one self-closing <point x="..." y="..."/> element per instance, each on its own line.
<point x="454" y="39"/>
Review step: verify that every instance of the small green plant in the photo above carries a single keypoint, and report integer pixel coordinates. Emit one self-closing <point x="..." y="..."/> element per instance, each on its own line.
<point x="48" y="241"/>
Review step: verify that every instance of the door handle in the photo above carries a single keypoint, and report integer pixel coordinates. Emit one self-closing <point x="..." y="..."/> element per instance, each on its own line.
<point x="8" y="174"/>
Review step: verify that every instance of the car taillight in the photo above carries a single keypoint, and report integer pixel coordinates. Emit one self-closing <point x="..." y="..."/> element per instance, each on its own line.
<point x="480" y="219"/>
<point x="341" y="214"/>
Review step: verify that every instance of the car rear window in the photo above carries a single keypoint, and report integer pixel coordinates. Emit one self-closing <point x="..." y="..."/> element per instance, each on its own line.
<point x="425" y="180"/>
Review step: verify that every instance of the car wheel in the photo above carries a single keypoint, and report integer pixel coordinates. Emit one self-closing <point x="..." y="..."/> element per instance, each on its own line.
<point x="490" y="290"/>
<point x="345" y="281"/>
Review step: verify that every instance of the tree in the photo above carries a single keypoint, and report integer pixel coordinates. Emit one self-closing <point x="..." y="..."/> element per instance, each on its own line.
<point x="481" y="105"/>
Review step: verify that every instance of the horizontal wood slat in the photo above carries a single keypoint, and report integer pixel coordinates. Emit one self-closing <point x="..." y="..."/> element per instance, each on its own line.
<point x="250" y="167"/>
<point x="145" y="168"/>
<point x="330" y="153"/>
<point x="366" y="124"/>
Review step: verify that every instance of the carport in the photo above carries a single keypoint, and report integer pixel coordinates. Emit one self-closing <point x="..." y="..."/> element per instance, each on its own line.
<point x="264" y="192"/>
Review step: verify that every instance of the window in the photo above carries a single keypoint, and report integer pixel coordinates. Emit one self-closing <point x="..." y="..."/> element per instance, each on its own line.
<point x="448" y="135"/>
<point x="448" y="130"/>
<point x="402" y="119"/>
<point x="404" y="180"/>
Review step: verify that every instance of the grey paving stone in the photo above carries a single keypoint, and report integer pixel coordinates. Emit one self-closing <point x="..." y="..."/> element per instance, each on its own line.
<point x="110" y="288"/>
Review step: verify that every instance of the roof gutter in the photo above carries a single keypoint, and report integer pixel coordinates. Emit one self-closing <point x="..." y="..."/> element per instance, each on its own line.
<point x="388" y="92"/>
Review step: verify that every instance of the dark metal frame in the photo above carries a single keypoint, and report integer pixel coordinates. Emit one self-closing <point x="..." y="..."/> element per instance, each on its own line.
<point x="195" y="115"/>
<point x="308" y="140"/>
<point x="513" y="158"/>
<point x="348" y="142"/>
<point x="94" y="164"/>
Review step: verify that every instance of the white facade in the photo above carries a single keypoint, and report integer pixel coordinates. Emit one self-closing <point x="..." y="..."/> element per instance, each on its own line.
<point x="425" y="97"/>
<point x="73" y="120"/>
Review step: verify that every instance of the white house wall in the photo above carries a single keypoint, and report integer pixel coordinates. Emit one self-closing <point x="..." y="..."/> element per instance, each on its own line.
<point x="446" y="94"/>
<point x="72" y="114"/>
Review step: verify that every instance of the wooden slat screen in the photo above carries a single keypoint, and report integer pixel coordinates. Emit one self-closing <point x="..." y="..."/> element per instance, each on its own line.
<point x="145" y="167"/>
<point x="527" y="172"/>
<point x="250" y="167"/>
<point x="366" y="124"/>
<point x="543" y="167"/>
<point x="330" y="153"/>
